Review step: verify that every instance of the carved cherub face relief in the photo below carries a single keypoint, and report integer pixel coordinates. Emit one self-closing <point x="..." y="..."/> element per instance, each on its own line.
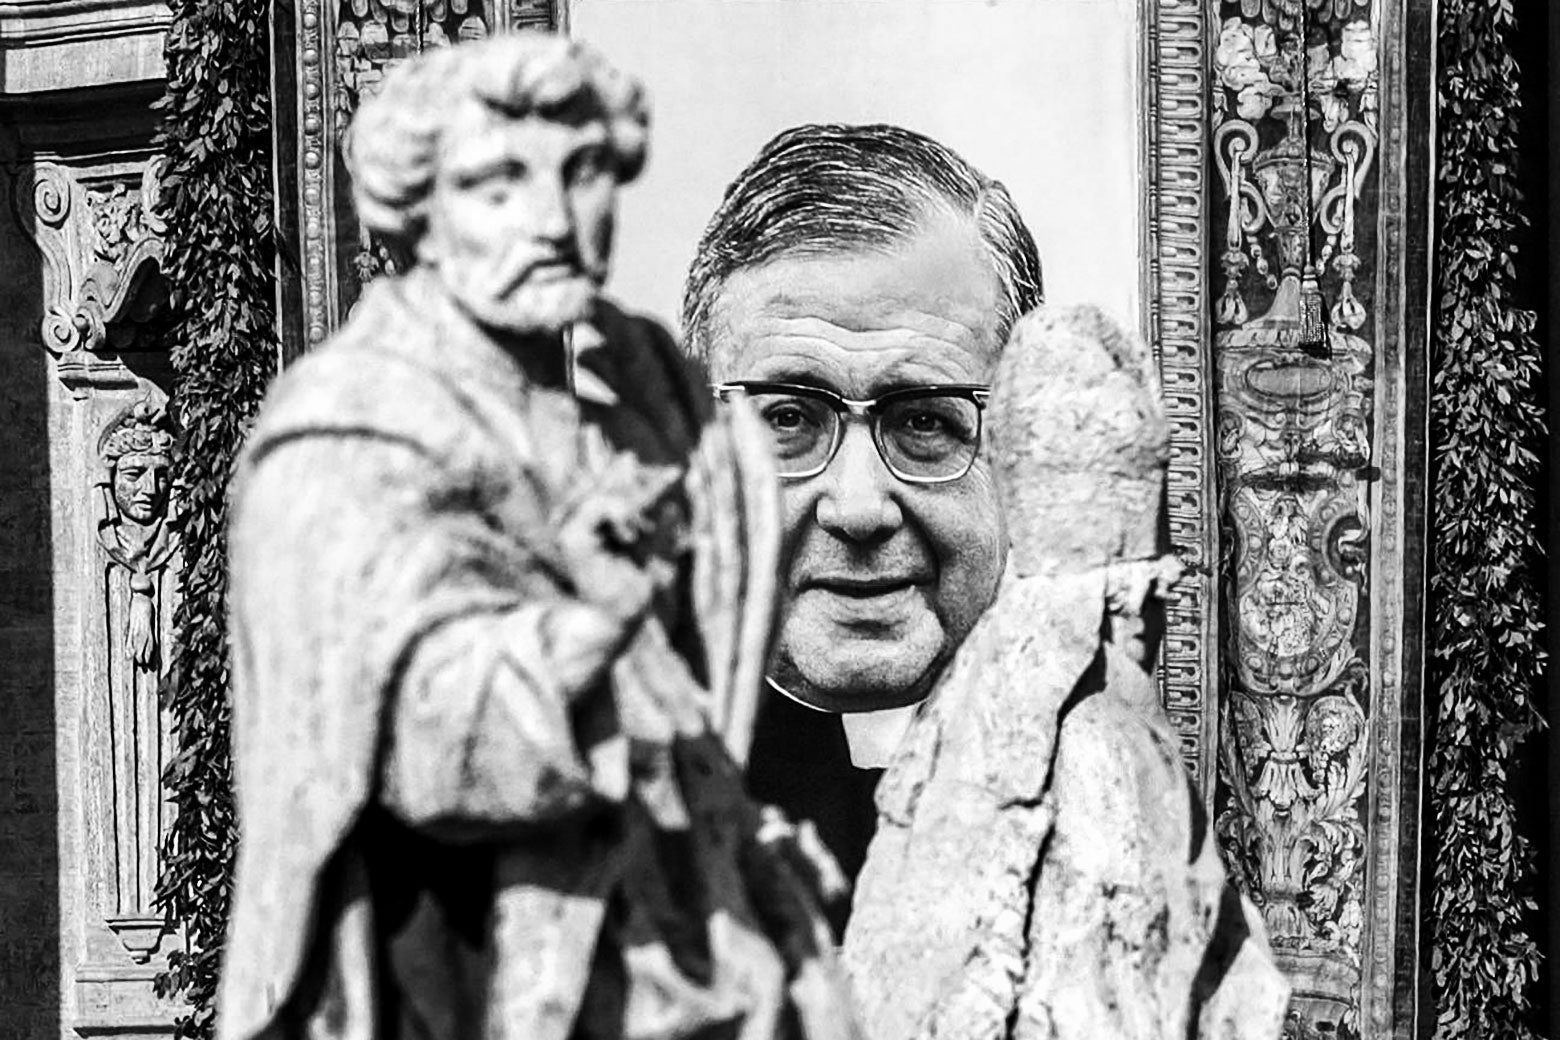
<point x="140" y="485"/>
<point x="521" y="214"/>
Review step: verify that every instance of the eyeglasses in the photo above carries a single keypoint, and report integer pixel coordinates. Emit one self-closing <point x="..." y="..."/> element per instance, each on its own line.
<point x="924" y="434"/>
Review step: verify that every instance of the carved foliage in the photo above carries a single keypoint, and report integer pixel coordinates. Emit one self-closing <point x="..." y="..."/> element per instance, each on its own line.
<point x="1294" y="128"/>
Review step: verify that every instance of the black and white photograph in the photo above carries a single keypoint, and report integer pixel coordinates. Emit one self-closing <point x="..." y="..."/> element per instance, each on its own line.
<point x="779" y="520"/>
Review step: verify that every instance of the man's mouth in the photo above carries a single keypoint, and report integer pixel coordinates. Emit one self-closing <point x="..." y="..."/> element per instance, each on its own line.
<point x="861" y="588"/>
<point x="518" y="269"/>
<point x="554" y="270"/>
<point x="876" y="607"/>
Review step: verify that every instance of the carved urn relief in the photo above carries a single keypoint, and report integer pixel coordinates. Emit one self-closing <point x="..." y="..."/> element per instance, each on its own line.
<point x="1297" y="363"/>
<point x="100" y="320"/>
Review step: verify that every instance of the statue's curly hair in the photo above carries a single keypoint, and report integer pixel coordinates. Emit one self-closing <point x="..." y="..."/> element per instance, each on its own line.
<point x="392" y="145"/>
<point x="142" y="429"/>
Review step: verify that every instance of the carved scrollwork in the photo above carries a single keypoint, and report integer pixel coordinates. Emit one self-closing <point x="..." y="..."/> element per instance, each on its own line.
<point x="1294" y="141"/>
<point x="102" y="248"/>
<point x="122" y="289"/>
<point x="41" y="203"/>
<point x="1296" y="775"/>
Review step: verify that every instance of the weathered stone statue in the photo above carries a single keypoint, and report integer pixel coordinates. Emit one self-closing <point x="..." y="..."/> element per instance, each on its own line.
<point x="1042" y="867"/>
<point x="501" y="591"/>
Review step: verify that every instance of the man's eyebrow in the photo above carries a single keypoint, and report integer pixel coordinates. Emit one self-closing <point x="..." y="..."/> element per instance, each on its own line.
<point x="798" y="377"/>
<point x="906" y="376"/>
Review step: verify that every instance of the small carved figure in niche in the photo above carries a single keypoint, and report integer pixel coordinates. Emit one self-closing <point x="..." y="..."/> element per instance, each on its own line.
<point x="134" y="530"/>
<point x="502" y="584"/>
<point x="1041" y="866"/>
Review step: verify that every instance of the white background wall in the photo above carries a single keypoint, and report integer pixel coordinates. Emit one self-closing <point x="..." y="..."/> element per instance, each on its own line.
<point x="1044" y="95"/>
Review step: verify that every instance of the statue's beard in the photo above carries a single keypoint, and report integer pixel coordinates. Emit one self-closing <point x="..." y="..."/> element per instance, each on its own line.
<point x="516" y="295"/>
<point x="536" y="308"/>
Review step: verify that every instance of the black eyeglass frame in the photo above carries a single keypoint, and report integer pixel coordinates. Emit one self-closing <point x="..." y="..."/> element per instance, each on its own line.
<point x="870" y="409"/>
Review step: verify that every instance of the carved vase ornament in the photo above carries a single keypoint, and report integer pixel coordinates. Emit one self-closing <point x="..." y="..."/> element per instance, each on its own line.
<point x="1295" y="126"/>
<point x="141" y="551"/>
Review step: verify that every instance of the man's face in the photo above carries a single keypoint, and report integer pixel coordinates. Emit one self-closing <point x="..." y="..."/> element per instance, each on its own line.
<point x="520" y="219"/>
<point x="883" y="579"/>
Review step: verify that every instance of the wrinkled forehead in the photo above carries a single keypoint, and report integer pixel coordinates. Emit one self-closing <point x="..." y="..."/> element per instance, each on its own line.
<point x="479" y="135"/>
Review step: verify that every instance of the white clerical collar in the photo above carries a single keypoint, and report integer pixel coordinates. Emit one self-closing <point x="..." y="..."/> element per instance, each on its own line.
<point x="871" y="736"/>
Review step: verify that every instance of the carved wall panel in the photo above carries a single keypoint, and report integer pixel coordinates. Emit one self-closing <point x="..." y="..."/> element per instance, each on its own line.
<point x="1308" y="407"/>
<point x="96" y="316"/>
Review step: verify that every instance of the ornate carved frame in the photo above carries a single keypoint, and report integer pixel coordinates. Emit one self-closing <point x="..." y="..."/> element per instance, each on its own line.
<point x="1175" y="56"/>
<point x="1178" y="37"/>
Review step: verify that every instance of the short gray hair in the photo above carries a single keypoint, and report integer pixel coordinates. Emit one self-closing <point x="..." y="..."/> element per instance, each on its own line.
<point x="822" y="188"/>
<point x="392" y="146"/>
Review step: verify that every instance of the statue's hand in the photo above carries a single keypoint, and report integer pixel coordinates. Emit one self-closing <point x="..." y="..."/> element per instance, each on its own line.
<point x="800" y="847"/>
<point x="608" y="539"/>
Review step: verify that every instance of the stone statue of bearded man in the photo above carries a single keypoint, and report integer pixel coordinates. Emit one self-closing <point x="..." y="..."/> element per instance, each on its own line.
<point x="501" y="591"/>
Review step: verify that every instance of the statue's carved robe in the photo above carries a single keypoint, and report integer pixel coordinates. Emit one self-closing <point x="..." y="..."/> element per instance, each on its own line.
<point x="441" y="838"/>
<point x="1042" y="868"/>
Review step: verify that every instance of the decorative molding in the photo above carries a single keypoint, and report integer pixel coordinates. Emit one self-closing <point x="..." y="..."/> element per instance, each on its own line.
<point x="100" y="239"/>
<point x="1400" y="313"/>
<point x="1175" y="50"/>
<point x="32" y="23"/>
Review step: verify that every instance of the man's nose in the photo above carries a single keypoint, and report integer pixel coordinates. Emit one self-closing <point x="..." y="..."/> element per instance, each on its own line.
<point x="857" y="503"/>
<point x="550" y="217"/>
